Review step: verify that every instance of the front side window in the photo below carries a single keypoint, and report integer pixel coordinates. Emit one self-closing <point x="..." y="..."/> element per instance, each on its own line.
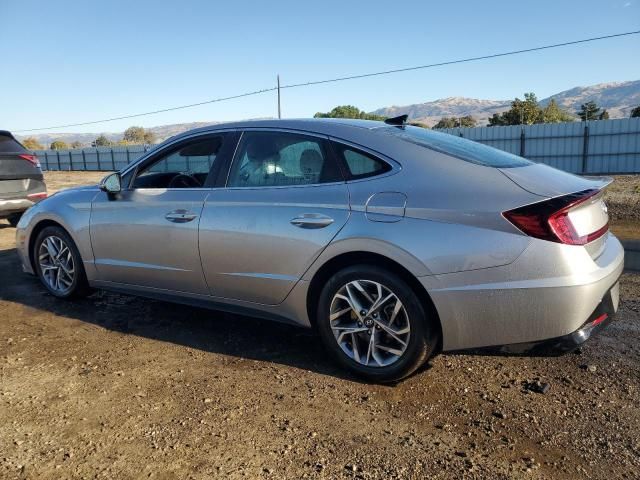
<point x="185" y="166"/>
<point x="274" y="159"/>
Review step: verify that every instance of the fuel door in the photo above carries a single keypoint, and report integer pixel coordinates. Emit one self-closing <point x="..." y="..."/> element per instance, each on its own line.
<point x="386" y="207"/>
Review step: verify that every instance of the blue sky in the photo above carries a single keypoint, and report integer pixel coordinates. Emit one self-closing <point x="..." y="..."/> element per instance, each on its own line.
<point x="73" y="61"/>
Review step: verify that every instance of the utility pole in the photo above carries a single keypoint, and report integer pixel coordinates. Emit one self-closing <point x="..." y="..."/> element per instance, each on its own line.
<point x="279" y="114"/>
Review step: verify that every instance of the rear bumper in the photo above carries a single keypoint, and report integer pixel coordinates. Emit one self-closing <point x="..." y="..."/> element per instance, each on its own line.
<point x="545" y="295"/>
<point x="601" y="317"/>
<point x="14" y="205"/>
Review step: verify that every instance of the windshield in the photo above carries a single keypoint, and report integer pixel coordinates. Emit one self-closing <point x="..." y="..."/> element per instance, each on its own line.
<point x="461" y="148"/>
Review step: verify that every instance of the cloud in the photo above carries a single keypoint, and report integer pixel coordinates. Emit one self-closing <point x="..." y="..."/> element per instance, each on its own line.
<point x="628" y="4"/>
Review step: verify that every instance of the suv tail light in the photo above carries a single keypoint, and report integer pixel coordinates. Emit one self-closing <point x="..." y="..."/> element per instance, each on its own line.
<point x="31" y="158"/>
<point x="551" y="219"/>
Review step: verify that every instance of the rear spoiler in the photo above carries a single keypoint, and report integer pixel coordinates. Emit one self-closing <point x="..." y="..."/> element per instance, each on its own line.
<point x="600" y="183"/>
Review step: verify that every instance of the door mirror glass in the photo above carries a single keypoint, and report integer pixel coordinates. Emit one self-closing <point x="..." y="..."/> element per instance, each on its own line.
<point x="111" y="183"/>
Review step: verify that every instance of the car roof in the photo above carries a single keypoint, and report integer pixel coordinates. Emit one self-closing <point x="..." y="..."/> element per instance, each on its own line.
<point x="328" y="126"/>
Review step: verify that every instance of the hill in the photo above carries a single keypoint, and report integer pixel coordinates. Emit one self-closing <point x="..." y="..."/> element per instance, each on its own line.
<point x="617" y="97"/>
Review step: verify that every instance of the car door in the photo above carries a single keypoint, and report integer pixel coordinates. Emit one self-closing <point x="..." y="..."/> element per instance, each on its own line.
<point x="148" y="234"/>
<point x="285" y="200"/>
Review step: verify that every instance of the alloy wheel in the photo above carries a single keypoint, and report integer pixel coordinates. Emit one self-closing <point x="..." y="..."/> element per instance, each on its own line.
<point x="56" y="264"/>
<point x="369" y="323"/>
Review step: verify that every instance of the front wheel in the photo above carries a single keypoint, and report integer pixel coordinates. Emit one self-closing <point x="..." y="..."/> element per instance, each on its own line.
<point x="58" y="264"/>
<point x="374" y="324"/>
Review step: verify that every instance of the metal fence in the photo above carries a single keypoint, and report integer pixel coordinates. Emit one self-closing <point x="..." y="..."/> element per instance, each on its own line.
<point x="594" y="147"/>
<point x="97" y="159"/>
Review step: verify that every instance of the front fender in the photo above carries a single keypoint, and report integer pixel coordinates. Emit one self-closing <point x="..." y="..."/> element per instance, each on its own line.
<point x="72" y="211"/>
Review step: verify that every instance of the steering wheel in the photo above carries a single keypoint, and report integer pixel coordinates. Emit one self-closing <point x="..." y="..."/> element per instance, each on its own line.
<point x="182" y="180"/>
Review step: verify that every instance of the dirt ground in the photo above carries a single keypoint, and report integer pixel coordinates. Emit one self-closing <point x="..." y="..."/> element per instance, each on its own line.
<point x="121" y="387"/>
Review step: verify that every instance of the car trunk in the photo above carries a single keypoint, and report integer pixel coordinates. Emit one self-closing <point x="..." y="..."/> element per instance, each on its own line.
<point x="585" y="207"/>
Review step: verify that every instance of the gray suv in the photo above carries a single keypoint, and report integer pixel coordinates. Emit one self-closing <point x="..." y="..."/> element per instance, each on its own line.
<point x="21" y="181"/>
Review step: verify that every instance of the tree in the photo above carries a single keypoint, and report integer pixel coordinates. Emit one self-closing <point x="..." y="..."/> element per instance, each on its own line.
<point x="635" y="112"/>
<point x="101" y="141"/>
<point x="552" y="113"/>
<point x="528" y="112"/>
<point x="58" y="145"/>
<point x="348" y="111"/>
<point x="32" y="144"/>
<point x="137" y="136"/>
<point x="149" y="137"/>
<point x="604" y="115"/>
<point x="134" y="135"/>
<point x="589" y="111"/>
<point x="522" y="112"/>
<point x="452" y="122"/>
<point x="76" y="144"/>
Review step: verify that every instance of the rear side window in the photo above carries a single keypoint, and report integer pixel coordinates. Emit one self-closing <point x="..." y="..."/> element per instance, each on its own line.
<point x="360" y="164"/>
<point x="461" y="148"/>
<point x="278" y="159"/>
<point x="10" y="145"/>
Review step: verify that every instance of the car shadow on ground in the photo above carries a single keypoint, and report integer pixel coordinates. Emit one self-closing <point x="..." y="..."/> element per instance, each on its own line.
<point x="198" y="328"/>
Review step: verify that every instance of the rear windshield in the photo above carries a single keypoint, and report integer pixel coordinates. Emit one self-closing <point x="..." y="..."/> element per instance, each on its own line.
<point x="9" y="145"/>
<point x="461" y="148"/>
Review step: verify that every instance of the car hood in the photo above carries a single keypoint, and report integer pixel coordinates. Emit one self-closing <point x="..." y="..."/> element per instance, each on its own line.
<point x="546" y="181"/>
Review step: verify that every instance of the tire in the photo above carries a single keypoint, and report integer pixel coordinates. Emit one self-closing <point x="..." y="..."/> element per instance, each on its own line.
<point x="391" y="357"/>
<point x="14" y="218"/>
<point x="71" y="286"/>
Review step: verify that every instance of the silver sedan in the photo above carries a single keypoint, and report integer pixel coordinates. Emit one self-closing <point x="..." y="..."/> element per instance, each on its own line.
<point x="393" y="241"/>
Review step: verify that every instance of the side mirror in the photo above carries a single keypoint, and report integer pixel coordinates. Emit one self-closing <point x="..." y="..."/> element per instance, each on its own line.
<point x="111" y="183"/>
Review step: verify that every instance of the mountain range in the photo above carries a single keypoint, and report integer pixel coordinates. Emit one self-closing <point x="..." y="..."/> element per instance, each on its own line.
<point x="617" y="97"/>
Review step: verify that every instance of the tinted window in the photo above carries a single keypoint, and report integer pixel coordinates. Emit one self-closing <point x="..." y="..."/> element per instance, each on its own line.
<point x="192" y="159"/>
<point x="268" y="159"/>
<point x="359" y="163"/>
<point x="9" y="145"/>
<point x="461" y="148"/>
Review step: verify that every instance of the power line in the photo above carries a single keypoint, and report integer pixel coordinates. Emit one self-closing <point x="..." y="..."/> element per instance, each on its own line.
<point x="215" y="100"/>
<point x="464" y="60"/>
<point x="341" y="79"/>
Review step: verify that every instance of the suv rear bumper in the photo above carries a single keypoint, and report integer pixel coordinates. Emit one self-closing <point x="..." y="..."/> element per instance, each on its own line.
<point x="14" y="205"/>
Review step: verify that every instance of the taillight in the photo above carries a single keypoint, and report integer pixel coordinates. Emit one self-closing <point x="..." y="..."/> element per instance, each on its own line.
<point x="31" y="158"/>
<point x="37" y="196"/>
<point x="551" y="219"/>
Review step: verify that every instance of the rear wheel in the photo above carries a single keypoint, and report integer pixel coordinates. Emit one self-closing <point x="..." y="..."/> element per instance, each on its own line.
<point x="373" y="323"/>
<point x="14" y="218"/>
<point x="58" y="264"/>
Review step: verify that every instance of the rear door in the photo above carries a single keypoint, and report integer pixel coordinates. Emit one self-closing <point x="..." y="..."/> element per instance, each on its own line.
<point x="284" y="201"/>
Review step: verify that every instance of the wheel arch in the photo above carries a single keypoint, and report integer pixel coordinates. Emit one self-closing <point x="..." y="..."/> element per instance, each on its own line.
<point x="343" y="260"/>
<point x="35" y="231"/>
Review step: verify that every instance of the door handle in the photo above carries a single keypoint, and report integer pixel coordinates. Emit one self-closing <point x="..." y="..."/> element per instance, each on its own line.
<point x="311" y="220"/>
<point x="180" y="216"/>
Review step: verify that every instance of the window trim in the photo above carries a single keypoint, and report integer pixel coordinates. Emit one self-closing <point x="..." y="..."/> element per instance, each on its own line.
<point x="327" y="148"/>
<point x="394" y="167"/>
<point x="217" y="167"/>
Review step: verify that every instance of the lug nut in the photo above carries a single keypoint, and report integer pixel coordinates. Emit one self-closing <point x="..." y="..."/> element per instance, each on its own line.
<point x="359" y="324"/>
<point x="363" y="312"/>
<point x="369" y="332"/>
